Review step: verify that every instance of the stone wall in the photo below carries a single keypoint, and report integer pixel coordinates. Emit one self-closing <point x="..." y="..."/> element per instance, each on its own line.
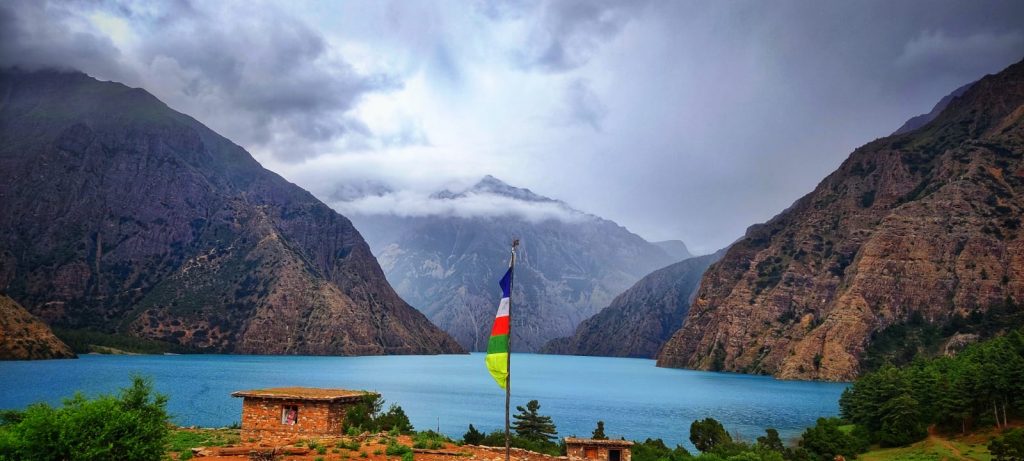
<point x="600" y="453"/>
<point x="261" y="419"/>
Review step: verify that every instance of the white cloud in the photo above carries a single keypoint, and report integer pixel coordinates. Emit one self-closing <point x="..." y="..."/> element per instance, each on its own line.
<point x="409" y="203"/>
<point x="937" y="50"/>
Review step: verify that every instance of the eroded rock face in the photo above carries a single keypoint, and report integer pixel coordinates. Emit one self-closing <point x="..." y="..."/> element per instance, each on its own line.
<point x="927" y="221"/>
<point x="120" y="214"/>
<point x="24" y="337"/>
<point x="639" y="321"/>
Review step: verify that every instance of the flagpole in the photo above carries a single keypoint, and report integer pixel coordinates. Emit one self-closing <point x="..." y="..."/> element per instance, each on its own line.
<point x="508" y="363"/>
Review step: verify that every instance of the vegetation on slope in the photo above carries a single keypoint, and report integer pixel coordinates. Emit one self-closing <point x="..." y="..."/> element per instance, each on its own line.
<point x="981" y="386"/>
<point x="901" y="343"/>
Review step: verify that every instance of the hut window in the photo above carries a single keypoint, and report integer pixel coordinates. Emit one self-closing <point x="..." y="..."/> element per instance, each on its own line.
<point x="290" y="415"/>
<point x="590" y="453"/>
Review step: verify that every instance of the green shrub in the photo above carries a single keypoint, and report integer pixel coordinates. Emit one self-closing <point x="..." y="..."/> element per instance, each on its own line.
<point x="1009" y="447"/>
<point x="407" y="456"/>
<point x="367" y="415"/>
<point x="473" y="436"/>
<point x="497" y="439"/>
<point x="656" y="450"/>
<point x="826" y="440"/>
<point x="429" y="439"/>
<point x="396" y="449"/>
<point x="130" y="426"/>
<point x="352" y="445"/>
<point x="707" y="433"/>
<point x="11" y="417"/>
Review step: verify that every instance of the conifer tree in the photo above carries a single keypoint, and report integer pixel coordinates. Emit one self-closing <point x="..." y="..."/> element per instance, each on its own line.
<point x="599" y="432"/>
<point x="533" y="426"/>
<point x="473" y="436"/>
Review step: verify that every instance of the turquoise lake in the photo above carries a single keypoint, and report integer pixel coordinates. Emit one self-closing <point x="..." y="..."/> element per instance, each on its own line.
<point x="635" y="399"/>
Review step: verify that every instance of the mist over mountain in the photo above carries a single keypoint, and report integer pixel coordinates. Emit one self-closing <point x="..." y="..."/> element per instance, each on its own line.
<point x="918" y="228"/>
<point x="446" y="256"/>
<point x="120" y="215"/>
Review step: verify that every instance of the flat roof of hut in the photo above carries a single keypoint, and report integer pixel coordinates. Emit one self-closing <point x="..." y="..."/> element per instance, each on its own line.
<point x="304" y="393"/>
<point x="283" y="414"/>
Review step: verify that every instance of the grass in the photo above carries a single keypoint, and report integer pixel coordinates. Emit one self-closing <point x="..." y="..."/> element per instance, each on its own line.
<point x="937" y="448"/>
<point x="182" y="441"/>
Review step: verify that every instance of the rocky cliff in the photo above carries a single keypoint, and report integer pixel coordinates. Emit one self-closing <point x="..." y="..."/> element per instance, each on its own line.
<point x="639" y="321"/>
<point x="675" y="248"/>
<point x="925" y="223"/>
<point x="121" y="215"/>
<point x="570" y="263"/>
<point x="921" y="120"/>
<point x="24" y="337"/>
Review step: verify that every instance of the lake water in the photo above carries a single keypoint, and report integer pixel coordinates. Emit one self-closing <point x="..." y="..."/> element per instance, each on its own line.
<point x="634" y="398"/>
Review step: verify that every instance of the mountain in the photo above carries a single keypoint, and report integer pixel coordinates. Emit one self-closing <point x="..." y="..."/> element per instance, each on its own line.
<point x="921" y="120"/>
<point x="921" y="225"/>
<point x="639" y="321"/>
<point x="120" y="215"/>
<point x="24" y="337"/>
<point x="447" y="265"/>
<point x="675" y="248"/>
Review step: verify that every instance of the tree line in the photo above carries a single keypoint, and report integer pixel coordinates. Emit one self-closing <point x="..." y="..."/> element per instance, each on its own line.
<point x="981" y="386"/>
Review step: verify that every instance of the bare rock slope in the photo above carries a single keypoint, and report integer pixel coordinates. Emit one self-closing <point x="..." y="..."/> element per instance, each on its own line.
<point x="24" y="337"/>
<point x="121" y="215"/>
<point x="924" y="223"/>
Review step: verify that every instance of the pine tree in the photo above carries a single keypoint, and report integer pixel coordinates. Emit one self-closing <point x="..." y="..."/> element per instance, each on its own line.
<point x="533" y="426"/>
<point x="599" y="432"/>
<point x="473" y="436"/>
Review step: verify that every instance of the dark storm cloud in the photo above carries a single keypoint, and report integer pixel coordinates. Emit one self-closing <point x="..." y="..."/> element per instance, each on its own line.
<point x="276" y="76"/>
<point x="36" y="35"/>
<point x="740" y="108"/>
<point x="570" y="32"/>
<point x="676" y="118"/>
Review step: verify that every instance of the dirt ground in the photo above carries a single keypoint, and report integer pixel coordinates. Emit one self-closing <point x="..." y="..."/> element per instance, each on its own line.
<point x="371" y="448"/>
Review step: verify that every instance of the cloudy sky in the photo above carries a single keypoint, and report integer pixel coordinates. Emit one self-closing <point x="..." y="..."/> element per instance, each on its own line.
<point x="677" y="119"/>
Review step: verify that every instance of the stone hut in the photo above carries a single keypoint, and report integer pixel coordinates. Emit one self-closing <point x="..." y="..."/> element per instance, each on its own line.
<point x="597" y="450"/>
<point x="283" y="414"/>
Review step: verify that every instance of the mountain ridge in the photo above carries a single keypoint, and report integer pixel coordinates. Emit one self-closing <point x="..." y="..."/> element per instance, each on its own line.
<point x="921" y="223"/>
<point x="570" y="264"/>
<point x="24" y="337"/>
<point x="641" y="319"/>
<point x="125" y="216"/>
